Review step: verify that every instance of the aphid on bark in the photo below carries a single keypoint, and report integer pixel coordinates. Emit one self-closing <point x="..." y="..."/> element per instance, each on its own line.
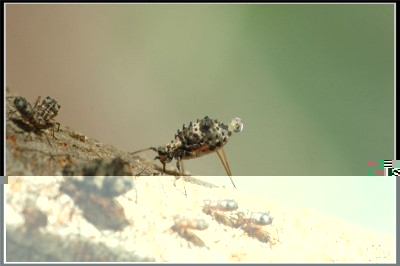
<point x="255" y="218"/>
<point x="36" y="118"/>
<point x="220" y="205"/>
<point x="250" y="222"/>
<point x="202" y="137"/>
<point x="183" y="225"/>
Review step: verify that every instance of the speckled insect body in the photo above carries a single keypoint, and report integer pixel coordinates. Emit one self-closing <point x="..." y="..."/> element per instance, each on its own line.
<point x="46" y="111"/>
<point x="200" y="138"/>
<point x="36" y="118"/>
<point x="41" y="115"/>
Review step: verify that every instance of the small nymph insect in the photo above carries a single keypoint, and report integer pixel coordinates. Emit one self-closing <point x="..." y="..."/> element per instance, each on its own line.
<point x="36" y="118"/>
<point x="202" y="137"/>
<point x="183" y="225"/>
<point x="250" y="222"/>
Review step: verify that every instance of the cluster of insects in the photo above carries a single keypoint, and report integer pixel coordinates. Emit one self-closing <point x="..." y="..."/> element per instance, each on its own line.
<point x="37" y="118"/>
<point x="201" y="137"/>
<point x="250" y="222"/>
<point x="183" y="226"/>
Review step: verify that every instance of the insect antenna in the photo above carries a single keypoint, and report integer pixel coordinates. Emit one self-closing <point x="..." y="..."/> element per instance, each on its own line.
<point x="142" y="150"/>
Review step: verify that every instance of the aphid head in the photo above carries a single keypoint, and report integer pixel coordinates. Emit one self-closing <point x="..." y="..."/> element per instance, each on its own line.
<point x="236" y="125"/>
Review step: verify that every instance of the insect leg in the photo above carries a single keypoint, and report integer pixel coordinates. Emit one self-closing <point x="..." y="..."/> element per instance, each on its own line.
<point x="48" y="140"/>
<point x="37" y="102"/>
<point x="224" y="162"/>
<point x="179" y="165"/>
<point x="53" y="130"/>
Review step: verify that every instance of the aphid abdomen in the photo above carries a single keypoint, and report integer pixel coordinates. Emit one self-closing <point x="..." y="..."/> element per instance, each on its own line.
<point x="23" y="107"/>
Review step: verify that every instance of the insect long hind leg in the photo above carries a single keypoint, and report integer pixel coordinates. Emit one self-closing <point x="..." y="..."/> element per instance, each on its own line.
<point x="37" y="102"/>
<point x="179" y="165"/>
<point x="225" y="164"/>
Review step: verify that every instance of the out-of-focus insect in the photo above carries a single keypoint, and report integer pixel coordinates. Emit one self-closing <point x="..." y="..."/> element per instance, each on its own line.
<point x="202" y="137"/>
<point x="108" y="177"/>
<point x="36" y="118"/>
<point x="182" y="225"/>
<point x="95" y="195"/>
<point x="217" y="208"/>
<point x="220" y="205"/>
<point x="255" y="218"/>
<point x="250" y="222"/>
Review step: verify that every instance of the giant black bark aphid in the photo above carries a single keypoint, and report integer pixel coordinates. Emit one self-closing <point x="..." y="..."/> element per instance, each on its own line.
<point x="201" y="137"/>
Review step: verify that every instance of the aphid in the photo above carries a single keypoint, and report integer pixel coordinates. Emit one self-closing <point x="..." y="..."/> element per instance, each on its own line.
<point x="257" y="232"/>
<point x="202" y="137"/>
<point x="183" y="224"/>
<point x="255" y="218"/>
<point x="250" y="222"/>
<point x="216" y="209"/>
<point x="220" y="205"/>
<point x="108" y="177"/>
<point x="36" y="118"/>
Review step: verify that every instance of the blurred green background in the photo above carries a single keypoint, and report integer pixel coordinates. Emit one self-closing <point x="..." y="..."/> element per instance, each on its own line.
<point x="314" y="84"/>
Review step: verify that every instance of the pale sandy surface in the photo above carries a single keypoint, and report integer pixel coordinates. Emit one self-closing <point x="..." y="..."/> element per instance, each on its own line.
<point x="298" y="235"/>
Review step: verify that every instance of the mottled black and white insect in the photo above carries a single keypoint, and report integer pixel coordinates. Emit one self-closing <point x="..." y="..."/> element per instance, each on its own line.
<point x="183" y="225"/>
<point x="109" y="177"/>
<point x="202" y="137"/>
<point x="36" y="118"/>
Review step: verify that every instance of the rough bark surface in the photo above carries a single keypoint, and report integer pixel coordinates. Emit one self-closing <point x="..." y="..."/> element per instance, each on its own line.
<point x="45" y="224"/>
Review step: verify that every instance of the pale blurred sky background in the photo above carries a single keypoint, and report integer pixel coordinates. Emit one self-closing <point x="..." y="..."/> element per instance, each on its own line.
<point x="314" y="85"/>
